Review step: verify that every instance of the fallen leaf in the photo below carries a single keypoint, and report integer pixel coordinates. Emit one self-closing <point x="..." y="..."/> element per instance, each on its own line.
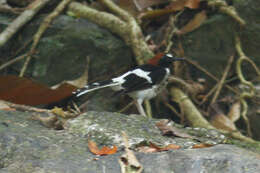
<point x="142" y="4"/>
<point x="194" y="23"/>
<point x="103" y="151"/>
<point x="234" y="112"/>
<point x="147" y="149"/>
<point x="5" y="107"/>
<point x="28" y="92"/>
<point x="155" y="148"/>
<point x="220" y="120"/>
<point x="168" y="147"/>
<point x="128" y="161"/>
<point x="168" y="129"/>
<point x="49" y="122"/>
<point x="155" y="13"/>
<point x="202" y="145"/>
<point x="192" y="4"/>
<point x="178" y="5"/>
<point x="174" y="6"/>
<point x="129" y="6"/>
<point x="171" y="147"/>
<point x="59" y="111"/>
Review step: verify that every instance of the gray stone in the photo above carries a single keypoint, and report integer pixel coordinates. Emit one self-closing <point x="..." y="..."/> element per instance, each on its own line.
<point x="28" y="147"/>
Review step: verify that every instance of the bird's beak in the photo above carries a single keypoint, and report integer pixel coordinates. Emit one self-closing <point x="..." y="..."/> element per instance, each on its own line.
<point x="178" y="59"/>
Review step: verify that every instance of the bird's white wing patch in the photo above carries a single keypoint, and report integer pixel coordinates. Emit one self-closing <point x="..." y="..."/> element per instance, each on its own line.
<point x="137" y="72"/>
<point x="143" y="74"/>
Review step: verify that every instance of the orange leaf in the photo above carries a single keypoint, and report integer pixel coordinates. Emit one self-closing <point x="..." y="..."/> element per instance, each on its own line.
<point x="192" y="4"/>
<point x="103" y="151"/>
<point x="168" y="147"/>
<point x="172" y="147"/>
<point x="202" y="145"/>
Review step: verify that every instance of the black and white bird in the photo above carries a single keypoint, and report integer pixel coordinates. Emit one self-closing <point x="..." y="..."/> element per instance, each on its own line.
<point x="141" y="83"/>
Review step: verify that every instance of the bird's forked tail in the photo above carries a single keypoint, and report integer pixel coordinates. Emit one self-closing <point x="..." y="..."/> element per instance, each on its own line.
<point x="94" y="86"/>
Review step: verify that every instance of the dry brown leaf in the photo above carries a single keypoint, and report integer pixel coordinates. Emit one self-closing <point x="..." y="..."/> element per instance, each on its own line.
<point x="59" y="111"/>
<point x="171" y="147"/>
<point x="5" y="107"/>
<point x="168" y="147"/>
<point x="178" y="5"/>
<point x="174" y="6"/>
<point x="142" y="4"/>
<point x="129" y="6"/>
<point x="103" y="151"/>
<point x="155" y="13"/>
<point x="221" y="121"/>
<point x="202" y="145"/>
<point x="147" y="149"/>
<point x="50" y="122"/>
<point x="21" y="90"/>
<point x="234" y="112"/>
<point x="194" y="23"/>
<point x="167" y="129"/>
<point x="192" y="4"/>
<point x="128" y="161"/>
<point x="155" y="148"/>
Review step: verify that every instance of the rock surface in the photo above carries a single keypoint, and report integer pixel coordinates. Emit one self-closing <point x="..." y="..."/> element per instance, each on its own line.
<point x="63" y="50"/>
<point x="28" y="147"/>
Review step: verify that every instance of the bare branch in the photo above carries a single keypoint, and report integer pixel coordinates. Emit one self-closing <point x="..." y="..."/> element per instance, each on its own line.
<point x="26" y="16"/>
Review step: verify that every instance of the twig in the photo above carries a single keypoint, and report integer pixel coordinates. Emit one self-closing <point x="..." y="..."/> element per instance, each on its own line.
<point x="194" y="117"/>
<point x="222" y="80"/>
<point x="231" y="11"/>
<point x="12" y="61"/>
<point x="209" y="74"/>
<point x="45" y="24"/>
<point x="173" y="109"/>
<point x="179" y="81"/>
<point x="148" y="109"/>
<point x="117" y="10"/>
<point x="226" y="9"/>
<point x="126" y="107"/>
<point x="10" y="10"/>
<point x="27" y="15"/>
<point x="212" y="90"/>
<point x="171" y="30"/>
<point x="25" y="107"/>
<point x="244" y="94"/>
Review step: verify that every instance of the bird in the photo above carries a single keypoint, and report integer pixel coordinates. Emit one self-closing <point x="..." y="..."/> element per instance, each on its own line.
<point x="141" y="83"/>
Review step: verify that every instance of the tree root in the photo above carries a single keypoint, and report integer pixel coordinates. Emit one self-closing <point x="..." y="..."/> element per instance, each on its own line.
<point x="123" y="25"/>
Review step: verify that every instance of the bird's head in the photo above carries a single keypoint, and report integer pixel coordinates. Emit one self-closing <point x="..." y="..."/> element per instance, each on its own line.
<point x="164" y="60"/>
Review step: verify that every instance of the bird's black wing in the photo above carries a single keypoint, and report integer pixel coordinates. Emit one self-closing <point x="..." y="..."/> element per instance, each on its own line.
<point x="135" y="82"/>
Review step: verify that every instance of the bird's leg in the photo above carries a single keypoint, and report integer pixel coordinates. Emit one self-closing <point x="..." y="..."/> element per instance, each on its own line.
<point x="139" y="106"/>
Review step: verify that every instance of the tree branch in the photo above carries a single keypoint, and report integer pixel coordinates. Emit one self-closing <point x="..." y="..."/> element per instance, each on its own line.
<point x="21" y="20"/>
<point x="127" y="29"/>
